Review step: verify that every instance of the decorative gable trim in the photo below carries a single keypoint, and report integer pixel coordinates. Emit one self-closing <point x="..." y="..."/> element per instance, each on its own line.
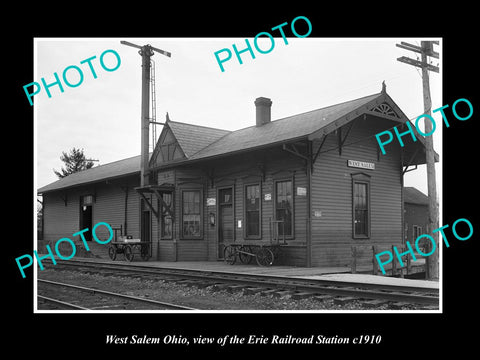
<point x="167" y="148"/>
<point x="385" y="109"/>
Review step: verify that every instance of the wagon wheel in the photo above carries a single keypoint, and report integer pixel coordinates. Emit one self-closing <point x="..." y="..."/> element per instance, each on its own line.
<point x="112" y="252"/>
<point x="245" y="258"/>
<point x="277" y="252"/>
<point x="144" y="253"/>
<point x="265" y="257"/>
<point x="230" y="255"/>
<point x="128" y="253"/>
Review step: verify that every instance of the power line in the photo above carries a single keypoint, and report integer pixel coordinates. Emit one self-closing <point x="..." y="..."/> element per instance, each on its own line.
<point x="426" y="50"/>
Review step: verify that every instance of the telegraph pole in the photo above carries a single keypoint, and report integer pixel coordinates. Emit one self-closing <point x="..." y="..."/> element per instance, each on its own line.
<point x="145" y="52"/>
<point x="426" y="50"/>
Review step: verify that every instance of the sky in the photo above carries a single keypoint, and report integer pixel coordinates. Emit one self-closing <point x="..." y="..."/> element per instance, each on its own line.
<point x="102" y="115"/>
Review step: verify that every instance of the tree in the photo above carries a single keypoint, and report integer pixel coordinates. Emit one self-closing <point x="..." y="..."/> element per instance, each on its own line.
<point x="74" y="161"/>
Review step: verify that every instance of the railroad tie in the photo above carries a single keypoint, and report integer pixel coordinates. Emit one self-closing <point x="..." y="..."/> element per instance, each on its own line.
<point x="186" y="282"/>
<point x="196" y="283"/>
<point x="125" y="273"/>
<point x="374" y="303"/>
<point x="233" y="288"/>
<point x="203" y="284"/>
<point x="268" y="292"/>
<point x="282" y="293"/>
<point x="220" y="286"/>
<point x="398" y="305"/>
<point x="323" y="297"/>
<point x="344" y="300"/>
<point x="108" y="307"/>
<point x="253" y="290"/>
<point x="301" y="295"/>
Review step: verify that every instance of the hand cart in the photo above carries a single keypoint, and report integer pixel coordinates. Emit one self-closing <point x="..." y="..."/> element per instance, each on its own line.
<point x="264" y="253"/>
<point x="129" y="249"/>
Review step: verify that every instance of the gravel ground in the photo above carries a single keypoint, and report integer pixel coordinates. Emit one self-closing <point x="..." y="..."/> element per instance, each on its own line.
<point x="209" y="298"/>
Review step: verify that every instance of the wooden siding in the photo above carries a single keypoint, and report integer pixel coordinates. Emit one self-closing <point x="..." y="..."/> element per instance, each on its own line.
<point x="415" y="214"/>
<point x="166" y="251"/>
<point x="60" y="220"/>
<point x="238" y="171"/>
<point x="108" y="206"/>
<point x="332" y="236"/>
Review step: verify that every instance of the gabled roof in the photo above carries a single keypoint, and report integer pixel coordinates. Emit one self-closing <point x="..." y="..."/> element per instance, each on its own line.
<point x="108" y="171"/>
<point x="412" y="195"/>
<point x="193" y="138"/>
<point x="200" y="142"/>
<point x="289" y="128"/>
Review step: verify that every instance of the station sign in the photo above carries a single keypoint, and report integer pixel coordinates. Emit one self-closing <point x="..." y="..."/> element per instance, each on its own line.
<point x="361" y="164"/>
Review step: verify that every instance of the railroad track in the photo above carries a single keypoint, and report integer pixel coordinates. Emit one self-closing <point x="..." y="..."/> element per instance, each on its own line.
<point x="96" y="299"/>
<point x="340" y="291"/>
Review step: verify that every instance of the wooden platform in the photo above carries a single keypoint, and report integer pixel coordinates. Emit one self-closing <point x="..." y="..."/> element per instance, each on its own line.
<point x="314" y="273"/>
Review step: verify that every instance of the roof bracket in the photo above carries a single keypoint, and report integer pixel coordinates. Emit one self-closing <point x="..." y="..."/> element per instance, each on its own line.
<point x="261" y="167"/>
<point x="319" y="148"/>
<point x="294" y="151"/>
<point x="149" y="204"/>
<point x="342" y="141"/>
<point x="405" y="170"/>
<point x="157" y="190"/>
<point x="209" y="173"/>
<point x="64" y="198"/>
<point x="168" y="208"/>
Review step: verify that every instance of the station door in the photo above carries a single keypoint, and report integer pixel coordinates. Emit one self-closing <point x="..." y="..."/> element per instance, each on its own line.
<point x="225" y="219"/>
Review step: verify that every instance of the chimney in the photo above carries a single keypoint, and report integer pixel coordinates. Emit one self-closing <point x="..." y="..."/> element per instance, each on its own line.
<point x="263" y="106"/>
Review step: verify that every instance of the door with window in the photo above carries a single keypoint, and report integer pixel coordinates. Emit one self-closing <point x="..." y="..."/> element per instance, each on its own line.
<point x="225" y="219"/>
<point x="146" y="226"/>
<point x="252" y="205"/>
<point x="284" y="209"/>
<point x="145" y="222"/>
<point x="361" y="209"/>
<point x="86" y="216"/>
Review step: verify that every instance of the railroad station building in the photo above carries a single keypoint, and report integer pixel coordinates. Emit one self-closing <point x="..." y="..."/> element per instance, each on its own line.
<point x="316" y="181"/>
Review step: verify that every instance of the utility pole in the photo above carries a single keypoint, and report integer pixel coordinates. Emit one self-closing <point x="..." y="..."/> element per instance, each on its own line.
<point x="146" y="52"/>
<point x="426" y="50"/>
